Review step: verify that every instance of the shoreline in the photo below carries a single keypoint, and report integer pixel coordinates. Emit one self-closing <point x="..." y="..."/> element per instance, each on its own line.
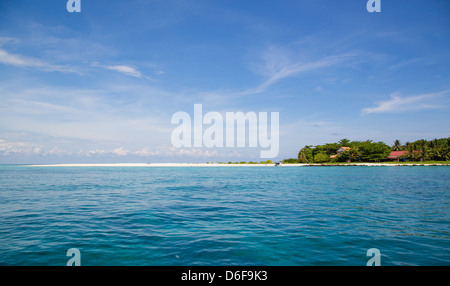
<point x="232" y="165"/>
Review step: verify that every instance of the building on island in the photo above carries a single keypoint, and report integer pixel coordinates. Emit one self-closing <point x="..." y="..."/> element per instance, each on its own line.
<point x="396" y="154"/>
<point x="342" y="149"/>
<point x="339" y="151"/>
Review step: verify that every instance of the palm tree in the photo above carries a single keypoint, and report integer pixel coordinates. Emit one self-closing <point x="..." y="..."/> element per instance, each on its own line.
<point x="302" y="155"/>
<point x="422" y="144"/>
<point x="434" y="143"/>
<point x="437" y="154"/>
<point x="410" y="148"/>
<point x="397" y="145"/>
<point x="344" y="142"/>
<point x="446" y="156"/>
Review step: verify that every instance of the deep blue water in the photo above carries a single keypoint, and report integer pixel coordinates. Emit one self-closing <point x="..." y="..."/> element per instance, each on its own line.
<point x="224" y="216"/>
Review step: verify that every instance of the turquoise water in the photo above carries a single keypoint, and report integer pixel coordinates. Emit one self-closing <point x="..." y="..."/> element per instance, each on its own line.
<point x="224" y="216"/>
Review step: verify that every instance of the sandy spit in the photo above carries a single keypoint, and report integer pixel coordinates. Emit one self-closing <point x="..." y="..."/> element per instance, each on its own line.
<point x="223" y="165"/>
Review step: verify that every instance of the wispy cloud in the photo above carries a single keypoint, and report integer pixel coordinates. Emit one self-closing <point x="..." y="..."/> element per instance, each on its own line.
<point x="131" y="71"/>
<point x="4" y="40"/>
<point x="278" y="64"/>
<point x="124" y="69"/>
<point x="285" y="70"/>
<point x="23" y="61"/>
<point x="90" y="115"/>
<point x="30" y="62"/>
<point x="275" y="65"/>
<point x="401" y="104"/>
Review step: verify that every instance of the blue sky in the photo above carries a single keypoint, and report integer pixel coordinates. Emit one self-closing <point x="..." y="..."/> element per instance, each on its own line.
<point x="103" y="84"/>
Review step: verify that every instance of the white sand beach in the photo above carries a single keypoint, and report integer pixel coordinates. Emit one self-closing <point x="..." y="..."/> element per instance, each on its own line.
<point x="154" y="165"/>
<point x="228" y="165"/>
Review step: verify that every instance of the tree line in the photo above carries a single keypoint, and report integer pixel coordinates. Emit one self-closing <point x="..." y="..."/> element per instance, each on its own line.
<point x="423" y="150"/>
<point x="369" y="151"/>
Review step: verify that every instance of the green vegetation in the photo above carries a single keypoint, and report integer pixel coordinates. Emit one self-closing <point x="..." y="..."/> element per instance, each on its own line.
<point x="418" y="162"/>
<point x="389" y="163"/>
<point x="437" y="150"/>
<point x="321" y="157"/>
<point x="420" y="152"/>
<point x="423" y="150"/>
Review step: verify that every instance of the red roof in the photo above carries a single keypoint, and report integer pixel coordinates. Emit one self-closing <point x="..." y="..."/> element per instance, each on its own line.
<point x="395" y="154"/>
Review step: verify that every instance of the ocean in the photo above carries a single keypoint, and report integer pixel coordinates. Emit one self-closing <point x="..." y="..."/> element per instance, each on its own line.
<point x="236" y="216"/>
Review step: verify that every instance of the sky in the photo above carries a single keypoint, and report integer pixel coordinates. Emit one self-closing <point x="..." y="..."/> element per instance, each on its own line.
<point x="101" y="85"/>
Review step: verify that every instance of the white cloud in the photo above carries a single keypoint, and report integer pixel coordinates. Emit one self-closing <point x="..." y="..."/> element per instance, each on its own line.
<point x="283" y="70"/>
<point x="24" y="149"/>
<point x="401" y="104"/>
<point x="121" y="151"/>
<point x="192" y="152"/>
<point x="278" y="64"/>
<point x="27" y="149"/>
<point x="92" y="152"/>
<point x="131" y="71"/>
<point x="30" y="62"/>
<point x="126" y="70"/>
<point x="55" y="151"/>
<point x="7" y="148"/>
<point x="85" y="114"/>
<point x="146" y="152"/>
